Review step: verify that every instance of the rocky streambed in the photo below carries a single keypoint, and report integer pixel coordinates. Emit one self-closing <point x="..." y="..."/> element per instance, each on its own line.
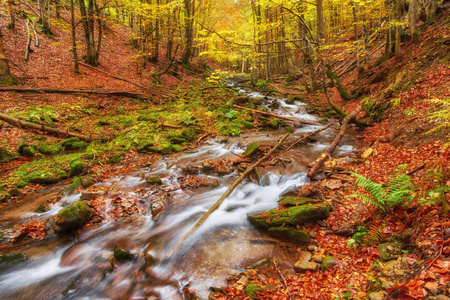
<point x="136" y="219"/>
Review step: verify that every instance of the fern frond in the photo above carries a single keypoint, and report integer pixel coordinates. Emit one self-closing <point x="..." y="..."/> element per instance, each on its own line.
<point x="374" y="234"/>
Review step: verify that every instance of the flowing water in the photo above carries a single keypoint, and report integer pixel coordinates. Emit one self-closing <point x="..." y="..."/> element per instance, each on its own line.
<point x="80" y="267"/>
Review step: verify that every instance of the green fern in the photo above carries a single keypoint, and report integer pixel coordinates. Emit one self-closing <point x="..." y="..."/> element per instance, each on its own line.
<point x="443" y="115"/>
<point x="396" y="192"/>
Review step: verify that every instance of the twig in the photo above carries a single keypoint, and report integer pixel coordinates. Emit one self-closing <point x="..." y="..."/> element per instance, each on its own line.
<point x="284" y="279"/>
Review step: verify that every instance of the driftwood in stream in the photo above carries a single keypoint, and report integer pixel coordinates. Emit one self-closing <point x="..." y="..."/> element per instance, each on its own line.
<point x="336" y="141"/>
<point x="24" y="124"/>
<point x="73" y="91"/>
<point x="308" y="135"/>
<point x="226" y="194"/>
<point x="275" y="116"/>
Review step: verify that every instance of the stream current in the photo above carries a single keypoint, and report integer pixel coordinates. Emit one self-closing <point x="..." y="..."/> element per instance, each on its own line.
<point x="79" y="267"/>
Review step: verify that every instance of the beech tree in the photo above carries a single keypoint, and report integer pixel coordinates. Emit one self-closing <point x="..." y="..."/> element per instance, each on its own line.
<point x="5" y="72"/>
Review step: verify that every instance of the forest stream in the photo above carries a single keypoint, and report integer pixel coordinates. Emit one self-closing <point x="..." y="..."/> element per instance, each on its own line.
<point x="81" y="267"/>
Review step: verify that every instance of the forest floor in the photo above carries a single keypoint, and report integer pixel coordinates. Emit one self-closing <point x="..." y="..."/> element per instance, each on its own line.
<point x="185" y="108"/>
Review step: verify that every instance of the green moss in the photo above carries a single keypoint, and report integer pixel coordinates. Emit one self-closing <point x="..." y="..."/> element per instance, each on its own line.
<point x="150" y="119"/>
<point x="274" y="123"/>
<point x="5" y="155"/>
<point x="115" y="159"/>
<point x="28" y="151"/>
<point x="328" y="263"/>
<point x="4" y="196"/>
<point x="289" y="233"/>
<point x="252" y="288"/>
<point x="189" y="134"/>
<point x="166" y="149"/>
<point x="12" y="258"/>
<point x="289" y="129"/>
<point x="154" y="180"/>
<point x="122" y="255"/>
<point x="295" y="201"/>
<point x="251" y="149"/>
<point x="72" y="217"/>
<point x="73" y="143"/>
<point x="49" y="149"/>
<point x="177" y="148"/>
<point x="76" y="167"/>
<point x="76" y="183"/>
<point x="290" y="216"/>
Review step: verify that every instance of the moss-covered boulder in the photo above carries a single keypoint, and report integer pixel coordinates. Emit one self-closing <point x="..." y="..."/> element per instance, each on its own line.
<point x="328" y="263"/>
<point x="4" y="196"/>
<point x="78" y="182"/>
<point x="289" y="233"/>
<point x="166" y="149"/>
<point x="73" y="143"/>
<point x="150" y="119"/>
<point x="76" y="167"/>
<point x="189" y="134"/>
<point x="72" y="217"/>
<point x="252" y="288"/>
<point x="147" y="147"/>
<point x="251" y="149"/>
<point x="274" y="123"/>
<point x="26" y="150"/>
<point x="296" y="201"/>
<point x="12" y="258"/>
<point x="154" y="180"/>
<point x="48" y="149"/>
<point x="177" y="148"/>
<point x="5" y="155"/>
<point x="290" y="216"/>
<point x="122" y="255"/>
<point x="115" y="159"/>
<point x="177" y="139"/>
<point x="47" y="176"/>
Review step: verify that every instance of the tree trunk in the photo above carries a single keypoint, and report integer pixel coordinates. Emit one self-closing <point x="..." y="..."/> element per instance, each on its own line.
<point x="88" y="27"/>
<point x="12" y="21"/>
<point x="74" y="42"/>
<point x="320" y="21"/>
<point x="5" y="72"/>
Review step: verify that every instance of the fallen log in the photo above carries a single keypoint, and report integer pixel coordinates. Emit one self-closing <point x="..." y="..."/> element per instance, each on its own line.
<point x="275" y="116"/>
<point x="73" y="91"/>
<point x="123" y="79"/>
<point x="225" y="195"/>
<point x="318" y="162"/>
<point x="21" y="123"/>
<point x="308" y="135"/>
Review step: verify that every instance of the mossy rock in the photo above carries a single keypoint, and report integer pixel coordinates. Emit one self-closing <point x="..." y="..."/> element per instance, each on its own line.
<point x="73" y="143"/>
<point x="76" y="167"/>
<point x="189" y="134"/>
<point x="176" y="139"/>
<point x="122" y="255"/>
<point x="328" y="263"/>
<point x="12" y="258"/>
<point x="177" y="148"/>
<point x="21" y="184"/>
<point x="47" y="176"/>
<point x="296" y="201"/>
<point x="252" y="288"/>
<point x="78" y="182"/>
<point x="251" y="149"/>
<point x="115" y="159"/>
<point x="289" y="129"/>
<point x="274" y="123"/>
<point x="154" y="180"/>
<point x="5" y="155"/>
<point x="147" y="147"/>
<point x="72" y="217"/>
<point x="21" y="146"/>
<point x="42" y="209"/>
<point x="48" y="149"/>
<point x="289" y="233"/>
<point x="166" y="149"/>
<point x="290" y="216"/>
<point x="147" y="119"/>
<point x="28" y="151"/>
<point x="103" y="123"/>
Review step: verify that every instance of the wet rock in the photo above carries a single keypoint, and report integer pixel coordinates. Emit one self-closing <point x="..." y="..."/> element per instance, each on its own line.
<point x="290" y="234"/>
<point x="262" y="176"/>
<point x="207" y="166"/>
<point x="328" y="263"/>
<point x="290" y="216"/>
<point x="78" y="182"/>
<point x="376" y="295"/>
<point x="177" y="148"/>
<point x="191" y="169"/>
<point x="72" y="217"/>
<point x="15" y="192"/>
<point x="5" y="155"/>
<point x="154" y="180"/>
<point x="96" y="220"/>
<point x="122" y="255"/>
<point x="166" y="149"/>
<point x="251" y="149"/>
<point x="296" y="201"/>
<point x="42" y="209"/>
<point x="388" y="251"/>
<point x="309" y="191"/>
<point x="290" y="191"/>
<point x="73" y="143"/>
<point x="289" y="129"/>
<point x="11" y="259"/>
<point x="158" y="206"/>
<point x="93" y="192"/>
<point x="76" y="167"/>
